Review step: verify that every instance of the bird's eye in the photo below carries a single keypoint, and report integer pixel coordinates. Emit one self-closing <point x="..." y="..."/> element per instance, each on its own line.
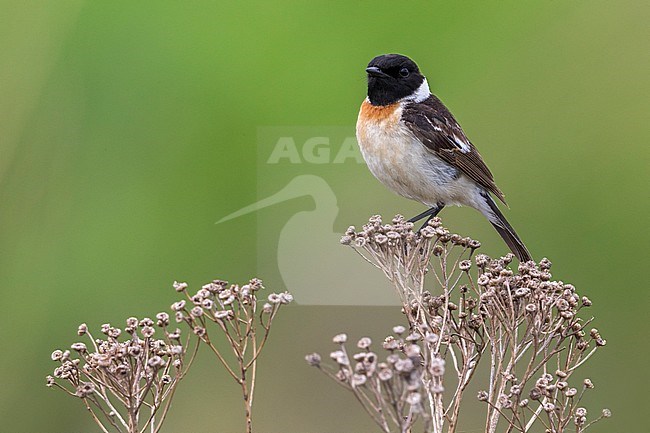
<point x="404" y="72"/>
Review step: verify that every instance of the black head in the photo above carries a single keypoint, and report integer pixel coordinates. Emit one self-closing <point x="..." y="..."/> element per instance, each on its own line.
<point x="392" y="77"/>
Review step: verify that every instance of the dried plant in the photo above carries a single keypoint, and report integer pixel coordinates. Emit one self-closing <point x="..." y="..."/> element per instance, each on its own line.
<point x="232" y="311"/>
<point x="128" y="385"/>
<point x="392" y="391"/>
<point x="460" y="311"/>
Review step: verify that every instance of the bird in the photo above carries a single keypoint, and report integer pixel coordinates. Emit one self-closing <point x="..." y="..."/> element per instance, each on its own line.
<point x="414" y="146"/>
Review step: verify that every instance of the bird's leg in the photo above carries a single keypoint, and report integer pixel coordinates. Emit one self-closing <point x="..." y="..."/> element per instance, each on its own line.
<point x="429" y="219"/>
<point x="422" y="215"/>
<point x="431" y="213"/>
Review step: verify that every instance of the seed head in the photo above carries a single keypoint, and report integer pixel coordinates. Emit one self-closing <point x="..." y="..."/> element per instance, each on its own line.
<point x="224" y="314"/>
<point x="340" y="357"/>
<point x="404" y="365"/>
<point x="364" y="343"/>
<point x="414" y="398"/>
<point x="313" y="359"/>
<point x="83" y="328"/>
<point x="437" y="367"/>
<point x="385" y="374"/>
<point x="85" y="389"/>
<point x="162" y="319"/>
<point x="79" y="347"/>
<point x="536" y="394"/>
<point x="178" y="306"/>
<point x="155" y="362"/>
<point x="571" y="392"/>
<point x="179" y="287"/>
<point x="286" y="298"/>
<point x="148" y="331"/>
<point x="390" y="343"/>
<point x="358" y="380"/>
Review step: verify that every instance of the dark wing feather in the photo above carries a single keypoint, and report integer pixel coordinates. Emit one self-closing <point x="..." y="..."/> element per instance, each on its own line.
<point x="431" y="123"/>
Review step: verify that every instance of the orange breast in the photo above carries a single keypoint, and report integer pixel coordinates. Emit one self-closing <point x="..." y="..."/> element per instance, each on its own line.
<point x="377" y="113"/>
<point x="376" y="122"/>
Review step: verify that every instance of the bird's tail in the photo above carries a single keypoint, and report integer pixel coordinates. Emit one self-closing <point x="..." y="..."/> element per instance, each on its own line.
<point x="506" y="231"/>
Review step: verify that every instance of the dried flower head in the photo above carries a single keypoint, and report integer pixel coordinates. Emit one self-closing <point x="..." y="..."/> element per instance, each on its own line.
<point x="313" y="359"/>
<point x="117" y="378"/>
<point x="234" y="321"/>
<point x="526" y="323"/>
<point x="179" y="287"/>
<point x="364" y="343"/>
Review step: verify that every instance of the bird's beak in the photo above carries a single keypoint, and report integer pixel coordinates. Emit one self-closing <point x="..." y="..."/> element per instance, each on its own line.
<point x="374" y="71"/>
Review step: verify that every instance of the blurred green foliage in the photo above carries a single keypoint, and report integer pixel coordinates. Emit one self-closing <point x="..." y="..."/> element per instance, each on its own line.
<point x="128" y="128"/>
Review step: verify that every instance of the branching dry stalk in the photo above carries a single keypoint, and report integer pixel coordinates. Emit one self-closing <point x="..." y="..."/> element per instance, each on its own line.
<point x="126" y="385"/>
<point x="460" y="311"/>
<point x="219" y="311"/>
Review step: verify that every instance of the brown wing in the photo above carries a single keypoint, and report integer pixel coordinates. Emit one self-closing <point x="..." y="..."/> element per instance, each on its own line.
<point x="431" y="123"/>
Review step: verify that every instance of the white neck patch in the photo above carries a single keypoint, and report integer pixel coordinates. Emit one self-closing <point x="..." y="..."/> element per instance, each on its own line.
<point x="420" y="94"/>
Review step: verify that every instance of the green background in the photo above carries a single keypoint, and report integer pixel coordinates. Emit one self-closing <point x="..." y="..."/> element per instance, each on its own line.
<point x="128" y="128"/>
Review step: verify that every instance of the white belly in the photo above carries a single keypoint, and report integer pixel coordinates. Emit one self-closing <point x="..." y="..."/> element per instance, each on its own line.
<point x="399" y="161"/>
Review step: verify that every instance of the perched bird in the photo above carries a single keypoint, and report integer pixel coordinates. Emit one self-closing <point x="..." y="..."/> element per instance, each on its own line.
<point x="415" y="147"/>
